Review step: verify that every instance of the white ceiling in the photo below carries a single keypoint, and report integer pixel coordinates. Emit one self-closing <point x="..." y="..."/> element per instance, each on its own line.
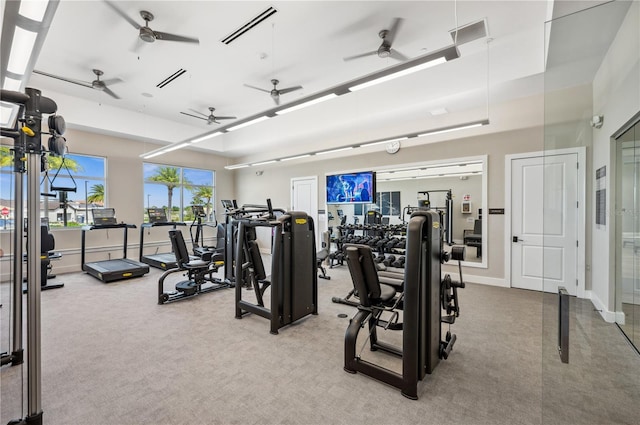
<point x="304" y="43"/>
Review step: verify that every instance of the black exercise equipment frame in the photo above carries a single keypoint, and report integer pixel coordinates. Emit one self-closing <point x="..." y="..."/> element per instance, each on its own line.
<point x="294" y="281"/>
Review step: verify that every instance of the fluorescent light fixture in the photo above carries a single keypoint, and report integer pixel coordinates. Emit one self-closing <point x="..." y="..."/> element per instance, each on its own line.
<point x="334" y="150"/>
<point x="398" y="139"/>
<point x="11" y="84"/>
<point x="271" y="161"/>
<point x="205" y="137"/>
<point x="296" y="157"/>
<point x="236" y="166"/>
<point x="176" y="147"/>
<point x="454" y="128"/>
<point x="33" y="10"/>
<point x="151" y="155"/>
<point x="21" y="48"/>
<point x="308" y="103"/>
<point x="433" y="62"/>
<point x="248" y="123"/>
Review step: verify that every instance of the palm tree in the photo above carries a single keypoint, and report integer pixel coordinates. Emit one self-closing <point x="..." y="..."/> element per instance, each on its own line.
<point x="55" y="162"/>
<point x="203" y="194"/>
<point x="170" y="177"/>
<point x="6" y="158"/>
<point x="97" y="194"/>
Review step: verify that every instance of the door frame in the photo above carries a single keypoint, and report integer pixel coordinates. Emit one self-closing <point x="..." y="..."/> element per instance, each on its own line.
<point x="581" y="225"/>
<point x="313" y="214"/>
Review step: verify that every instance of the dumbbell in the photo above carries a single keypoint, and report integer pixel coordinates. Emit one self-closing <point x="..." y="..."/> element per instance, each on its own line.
<point x="390" y="259"/>
<point x="399" y="263"/>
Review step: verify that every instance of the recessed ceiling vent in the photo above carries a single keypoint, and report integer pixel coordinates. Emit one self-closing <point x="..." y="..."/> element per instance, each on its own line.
<point x="469" y="32"/>
<point x="263" y="16"/>
<point x="171" y="78"/>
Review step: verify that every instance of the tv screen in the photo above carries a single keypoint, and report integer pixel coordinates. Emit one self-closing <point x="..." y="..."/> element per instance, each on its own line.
<point x="351" y="188"/>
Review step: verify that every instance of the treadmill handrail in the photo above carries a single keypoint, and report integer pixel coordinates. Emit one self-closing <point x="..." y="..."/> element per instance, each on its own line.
<point x="164" y="223"/>
<point x="109" y="226"/>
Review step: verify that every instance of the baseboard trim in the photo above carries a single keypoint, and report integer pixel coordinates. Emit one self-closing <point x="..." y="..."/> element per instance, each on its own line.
<point x="483" y="280"/>
<point x="608" y="315"/>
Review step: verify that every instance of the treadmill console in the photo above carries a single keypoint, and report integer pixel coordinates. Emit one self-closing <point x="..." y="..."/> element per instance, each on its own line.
<point x="103" y="216"/>
<point x="198" y="211"/>
<point x="157" y="215"/>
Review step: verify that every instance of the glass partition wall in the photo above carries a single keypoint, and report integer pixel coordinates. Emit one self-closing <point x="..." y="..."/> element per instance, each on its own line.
<point x="597" y="50"/>
<point x="627" y="233"/>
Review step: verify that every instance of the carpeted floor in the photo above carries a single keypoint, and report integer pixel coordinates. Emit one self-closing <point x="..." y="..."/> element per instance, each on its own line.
<point x="112" y="356"/>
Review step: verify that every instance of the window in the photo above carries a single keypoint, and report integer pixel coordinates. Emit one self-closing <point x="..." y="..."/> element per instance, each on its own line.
<point x="85" y="174"/>
<point x="175" y="189"/>
<point x="388" y="203"/>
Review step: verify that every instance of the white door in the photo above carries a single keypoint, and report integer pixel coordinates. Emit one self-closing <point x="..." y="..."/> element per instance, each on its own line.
<point x="304" y="197"/>
<point x="544" y="234"/>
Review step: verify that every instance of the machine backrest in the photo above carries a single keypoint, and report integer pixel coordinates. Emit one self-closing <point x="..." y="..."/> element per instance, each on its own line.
<point x="179" y="247"/>
<point x="256" y="260"/>
<point x="220" y="238"/>
<point x="477" y="227"/>
<point x="47" y="243"/>
<point x="363" y="273"/>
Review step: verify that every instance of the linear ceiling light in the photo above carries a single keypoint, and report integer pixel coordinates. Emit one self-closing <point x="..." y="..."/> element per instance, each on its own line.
<point x="408" y="67"/>
<point x="21" y="48"/>
<point x="11" y="84"/>
<point x="248" y="123"/>
<point x="236" y="166"/>
<point x="271" y="161"/>
<point x="152" y="154"/>
<point x="454" y="128"/>
<point x="205" y="137"/>
<point x="175" y="147"/>
<point x="398" y="139"/>
<point x="33" y="10"/>
<point x="307" y="103"/>
<point x="306" y="155"/>
<point x="335" y="150"/>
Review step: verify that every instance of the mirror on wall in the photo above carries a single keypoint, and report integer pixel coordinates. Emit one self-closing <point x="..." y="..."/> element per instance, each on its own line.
<point x="457" y="187"/>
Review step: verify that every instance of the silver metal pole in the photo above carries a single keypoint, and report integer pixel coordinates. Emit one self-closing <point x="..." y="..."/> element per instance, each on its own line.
<point x="33" y="286"/>
<point x="18" y="232"/>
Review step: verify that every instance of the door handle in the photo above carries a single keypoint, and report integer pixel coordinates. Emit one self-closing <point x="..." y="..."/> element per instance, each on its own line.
<point x="515" y="239"/>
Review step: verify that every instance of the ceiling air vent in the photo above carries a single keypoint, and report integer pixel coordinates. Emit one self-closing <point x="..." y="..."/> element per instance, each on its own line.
<point x="263" y="16"/>
<point x="470" y="32"/>
<point x="170" y="78"/>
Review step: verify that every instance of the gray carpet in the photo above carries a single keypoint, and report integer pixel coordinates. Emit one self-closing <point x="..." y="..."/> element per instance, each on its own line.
<point x="111" y="356"/>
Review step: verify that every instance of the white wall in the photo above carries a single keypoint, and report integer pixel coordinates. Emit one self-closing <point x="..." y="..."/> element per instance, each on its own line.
<point x="616" y="96"/>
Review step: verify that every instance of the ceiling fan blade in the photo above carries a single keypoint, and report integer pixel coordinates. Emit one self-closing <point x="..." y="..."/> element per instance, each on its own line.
<point x="397" y="55"/>
<point x="257" y="88"/>
<point x="108" y="91"/>
<point x="226" y="118"/>
<point x="197" y="112"/>
<point x="194" y="116"/>
<point x="361" y="55"/>
<point x="393" y="31"/>
<point x="289" y="89"/>
<point x="111" y="81"/>
<point x="68" y="80"/>
<point x="124" y="15"/>
<point x="173" y="37"/>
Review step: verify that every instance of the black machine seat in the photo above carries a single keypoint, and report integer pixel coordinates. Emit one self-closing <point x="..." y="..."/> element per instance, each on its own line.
<point x="181" y="252"/>
<point x="474" y="237"/>
<point x="364" y="275"/>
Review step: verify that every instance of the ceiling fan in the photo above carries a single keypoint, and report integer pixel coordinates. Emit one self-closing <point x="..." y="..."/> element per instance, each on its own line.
<point x="275" y="92"/>
<point x="208" y="118"/>
<point x="147" y="34"/>
<point x="97" y="84"/>
<point x="385" y="50"/>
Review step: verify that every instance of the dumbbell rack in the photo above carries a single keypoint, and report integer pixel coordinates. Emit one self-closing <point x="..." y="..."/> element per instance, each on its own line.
<point x="387" y="240"/>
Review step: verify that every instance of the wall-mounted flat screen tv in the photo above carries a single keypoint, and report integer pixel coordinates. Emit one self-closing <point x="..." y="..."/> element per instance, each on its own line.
<point x="351" y="188"/>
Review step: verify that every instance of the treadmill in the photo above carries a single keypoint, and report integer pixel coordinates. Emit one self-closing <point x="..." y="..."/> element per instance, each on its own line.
<point x="111" y="270"/>
<point x="164" y="261"/>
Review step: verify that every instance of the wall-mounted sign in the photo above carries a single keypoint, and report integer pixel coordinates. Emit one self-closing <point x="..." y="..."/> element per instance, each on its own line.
<point x="496" y="211"/>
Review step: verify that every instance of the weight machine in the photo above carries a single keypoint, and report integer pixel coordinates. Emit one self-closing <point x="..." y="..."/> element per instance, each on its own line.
<point x="425" y="296"/>
<point x="28" y="153"/>
<point x="293" y="282"/>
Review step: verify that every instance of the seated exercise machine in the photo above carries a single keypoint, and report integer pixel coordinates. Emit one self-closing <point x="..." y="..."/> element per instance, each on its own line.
<point x="113" y="269"/>
<point x="199" y="273"/>
<point x="422" y="302"/>
<point x="47" y="245"/>
<point x="322" y="255"/>
<point x="201" y="250"/>
<point x="158" y="218"/>
<point x="294" y="281"/>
